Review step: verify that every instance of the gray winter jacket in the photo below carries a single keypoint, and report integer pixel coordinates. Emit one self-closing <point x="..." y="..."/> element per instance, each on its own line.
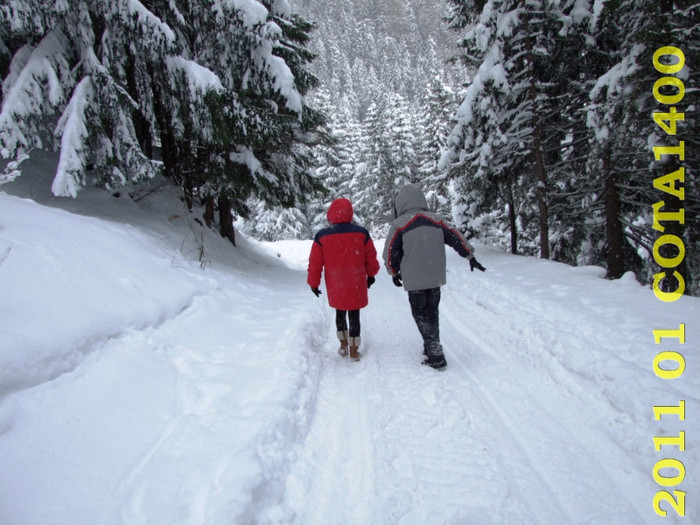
<point x="415" y="246"/>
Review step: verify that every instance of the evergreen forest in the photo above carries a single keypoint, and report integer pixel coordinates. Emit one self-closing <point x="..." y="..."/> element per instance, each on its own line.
<point x="561" y="129"/>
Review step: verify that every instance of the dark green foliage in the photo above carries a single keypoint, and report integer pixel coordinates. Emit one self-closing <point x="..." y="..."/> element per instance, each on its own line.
<point x="569" y="132"/>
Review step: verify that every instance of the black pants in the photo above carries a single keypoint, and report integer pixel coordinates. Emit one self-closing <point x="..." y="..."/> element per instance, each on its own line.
<point x="424" y="307"/>
<point x="341" y="323"/>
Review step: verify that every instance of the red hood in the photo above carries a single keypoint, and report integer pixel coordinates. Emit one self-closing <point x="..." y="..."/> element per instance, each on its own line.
<point x="340" y="211"/>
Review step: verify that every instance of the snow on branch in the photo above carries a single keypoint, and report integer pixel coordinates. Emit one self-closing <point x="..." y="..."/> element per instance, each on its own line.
<point x="284" y="82"/>
<point x="246" y="157"/>
<point x="34" y="88"/>
<point x="200" y="78"/>
<point x="267" y="34"/>
<point x="73" y="130"/>
<point x="253" y="13"/>
<point x="31" y="15"/>
<point x="614" y="79"/>
<point x="131" y="9"/>
<point x="491" y="72"/>
<point x="281" y="8"/>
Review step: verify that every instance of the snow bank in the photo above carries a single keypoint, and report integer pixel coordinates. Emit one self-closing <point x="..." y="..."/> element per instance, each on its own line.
<point x="136" y="386"/>
<point x="69" y="282"/>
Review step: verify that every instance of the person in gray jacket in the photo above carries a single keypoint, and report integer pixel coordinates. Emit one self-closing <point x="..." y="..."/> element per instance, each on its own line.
<point x="414" y="255"/>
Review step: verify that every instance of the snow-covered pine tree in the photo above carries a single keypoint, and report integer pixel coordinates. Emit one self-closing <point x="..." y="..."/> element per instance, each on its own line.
<point x="389" y="162"/>
<point x="611" y="164"/>
<point x="594" y="123"/>
<point x="402" y="129"/>
<point x="433" y="124"/>
<point x="565" y="146"/>
<point x="622" y="132"/>
<point x="517" y="141"/>
<point x="487" y="150"/>
<point x="218" y="85"/>
<point x="58" y="94"/>
<point x="371" y="189"/>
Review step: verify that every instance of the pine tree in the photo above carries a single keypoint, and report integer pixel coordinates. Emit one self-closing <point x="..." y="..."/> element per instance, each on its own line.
<point x="432" y="129"/>
<point x="218" y="85"/>
<point x="518" y="136"/>
<point x="565" y="93"/>
<point x="623" y="131"/>
<point x="488" y="150"/>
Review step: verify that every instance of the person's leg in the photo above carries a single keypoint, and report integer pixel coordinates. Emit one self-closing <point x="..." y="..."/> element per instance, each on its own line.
<point x="341" y="325"/>
<point x="424" y="308"/>
<point x="433" y="311"/>
<point x="354" y="317"/>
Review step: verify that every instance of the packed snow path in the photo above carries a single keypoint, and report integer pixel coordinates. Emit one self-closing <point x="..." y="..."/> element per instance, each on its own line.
<point x="509" y="433"/>
<point x="138" y="388"/>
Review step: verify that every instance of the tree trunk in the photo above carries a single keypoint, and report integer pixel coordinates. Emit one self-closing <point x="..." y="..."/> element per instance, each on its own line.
<point x="226" y="220"/>
<point x="613" y="226"/>
<point x="512" y="220"/>
<point x="543" y="215"/>
<point x="142" y="127"/>
<point x="209" y="211"/>
<point x="541" y="193"/>
<point x="169" y="150"/>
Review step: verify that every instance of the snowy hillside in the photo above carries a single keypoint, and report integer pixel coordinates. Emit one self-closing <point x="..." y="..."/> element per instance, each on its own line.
<point x="137" y="387"/>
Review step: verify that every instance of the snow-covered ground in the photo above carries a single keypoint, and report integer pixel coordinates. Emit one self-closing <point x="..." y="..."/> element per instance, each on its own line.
<point x="145" y="381"/>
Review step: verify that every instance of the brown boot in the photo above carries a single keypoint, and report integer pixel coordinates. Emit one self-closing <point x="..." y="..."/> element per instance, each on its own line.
<point x="354" y="347"/>
<point x="343" y="338"/>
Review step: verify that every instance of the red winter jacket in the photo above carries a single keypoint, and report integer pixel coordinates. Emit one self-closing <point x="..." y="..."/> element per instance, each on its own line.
<point x="346" y="253"/>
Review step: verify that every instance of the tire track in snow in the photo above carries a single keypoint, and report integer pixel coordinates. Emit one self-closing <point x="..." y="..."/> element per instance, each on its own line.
<point x="422" y="446"/>
<point x="575" y="477"/>
<point x="515" y="435"/>
<point x="437" y="458"/>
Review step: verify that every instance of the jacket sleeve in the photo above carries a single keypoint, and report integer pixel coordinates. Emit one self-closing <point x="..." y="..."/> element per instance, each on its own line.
<point x="315" y="269"/>
<point x="371" y="262"/>
<point x="393" y="251"/>
<point x="456" y="241"/>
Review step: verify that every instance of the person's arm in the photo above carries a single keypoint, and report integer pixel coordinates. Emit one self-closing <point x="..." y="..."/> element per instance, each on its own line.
<point x="456" y="241"/>
<point x="393" y="251"/>
<point x="371" y="262"/>
<point x="315" y="268"/>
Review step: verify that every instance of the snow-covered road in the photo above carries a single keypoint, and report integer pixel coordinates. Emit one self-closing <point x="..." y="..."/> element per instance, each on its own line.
<point x="514" y="431"/>
<point x="142" y="389"/>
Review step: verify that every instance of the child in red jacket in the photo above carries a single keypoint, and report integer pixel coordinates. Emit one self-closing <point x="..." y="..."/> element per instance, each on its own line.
<point x="347" y="254"/>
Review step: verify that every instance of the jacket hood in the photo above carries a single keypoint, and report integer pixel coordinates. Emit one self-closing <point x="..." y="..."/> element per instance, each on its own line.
<point x="409" y="198"/>
<point x="340" y="211"/>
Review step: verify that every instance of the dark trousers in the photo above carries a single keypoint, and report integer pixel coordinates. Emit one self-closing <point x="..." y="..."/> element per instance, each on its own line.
<point x="341" y="322"/>
<point x="424" y="307"/>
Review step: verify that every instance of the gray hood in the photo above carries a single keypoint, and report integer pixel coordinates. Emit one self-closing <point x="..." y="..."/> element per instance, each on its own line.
<point x="409" y="198"/>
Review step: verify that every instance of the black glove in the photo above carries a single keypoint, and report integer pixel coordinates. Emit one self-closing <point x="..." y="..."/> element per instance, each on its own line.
<point x="473" y="263"/>
<point x="397" y="280"/>
<point x="316" y="292"/>
<point x="370" y="281"/>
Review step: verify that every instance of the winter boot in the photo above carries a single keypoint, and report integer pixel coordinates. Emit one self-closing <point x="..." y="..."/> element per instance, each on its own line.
<point x="354" y="342"/>
<point x="343" y="338"/>
<point x="436" y="362"/>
